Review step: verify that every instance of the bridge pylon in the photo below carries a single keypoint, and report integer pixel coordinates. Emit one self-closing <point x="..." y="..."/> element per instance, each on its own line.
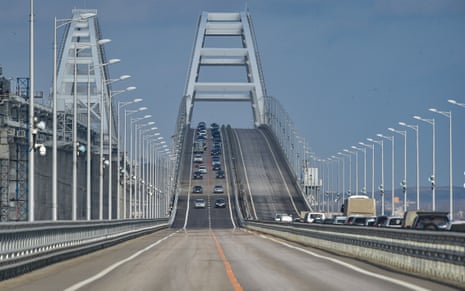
<point x="82" y="73"/>
<point x="238" y="48"/>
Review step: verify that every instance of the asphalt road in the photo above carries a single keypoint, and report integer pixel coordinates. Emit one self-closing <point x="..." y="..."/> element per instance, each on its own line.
<point x="207" y="259"/>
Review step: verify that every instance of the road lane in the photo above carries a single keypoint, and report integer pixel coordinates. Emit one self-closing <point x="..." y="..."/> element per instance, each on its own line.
<point x="192" y="260"/>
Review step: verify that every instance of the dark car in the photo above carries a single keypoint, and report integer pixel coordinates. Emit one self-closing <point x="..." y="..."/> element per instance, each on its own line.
<point x="220" y="174"/>
<point x="220" y="203"/>
<point x="198" y="175"/>
<point x="197" y="189"/>
<point x="431" y="221"/>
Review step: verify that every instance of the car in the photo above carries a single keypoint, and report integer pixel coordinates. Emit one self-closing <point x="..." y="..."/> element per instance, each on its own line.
<point x="410" y="217"/>
<point x="389" y="221"/>
<point x="220" y="203"/>
<point x="203" y="169"/>
<point x="364" y="221"/>
<point x="216" y="151"/>
<point x="220" y="174"/>
<point x="283" y="217"/>
<point x="198" y="158"/>
<point x="350" y="219"/>
<point x="218" y="189"/>
<point x="339" y="220"/>
<point x="197" y="189"/>
<point x="197" y="175"/>
<point x="216" y="166"/>
<point x="199" y="203"/>
<point x="431" y="221"/>
<point x="314" y="217"/>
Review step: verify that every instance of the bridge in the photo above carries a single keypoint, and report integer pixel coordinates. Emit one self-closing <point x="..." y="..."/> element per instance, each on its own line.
<point x="128" y="219"/>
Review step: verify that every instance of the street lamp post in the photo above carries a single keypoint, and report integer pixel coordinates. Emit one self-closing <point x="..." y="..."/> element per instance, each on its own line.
<point x="404" y="181"/>
<point x="110" y="144"/>
<point x="381" y="187"/>
<point x="133" y="155"/>
<point x="448" y="114"/>
<point x="118" y="155"/>
<point x="349" y="192"/>
<point x="391" y="138"/>
<point x="372" y="147"/>
<point x="364" y="151"/>
<point x="144" y="165"/>
<point x="89" y="119"/>
<point x="356" y="168"/>
<point x="138" y="165"/>
<point x="432" y="178"/>
<point x="125" y="161"/>
<point x="415" y="127"/>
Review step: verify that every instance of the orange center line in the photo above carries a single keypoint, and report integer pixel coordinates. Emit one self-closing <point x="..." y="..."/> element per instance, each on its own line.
<point x="229" y="272"/>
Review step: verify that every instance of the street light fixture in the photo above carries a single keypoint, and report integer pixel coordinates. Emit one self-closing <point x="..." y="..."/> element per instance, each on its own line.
<point x="448" y="114"/>
<point x="89" y="124"/>
<point x="356" y="168"/>
<point x="380" y="187"/>
<point x="118" y="157"/>
<point x="390" y="138"/>
<point x="125" y="154"/>
<point x="138" y="164"/>
<point x="432" y="178"/>
<point x="101" y="158"/>
<point x="350" y="174"/>
<point x="110" y="142"/>
<point x="364" y="151"/>
<point x="372" y="148"/>
<point x="415" y="127"/>
<point x="131" y="158"/>
<point x="403" y="184"/>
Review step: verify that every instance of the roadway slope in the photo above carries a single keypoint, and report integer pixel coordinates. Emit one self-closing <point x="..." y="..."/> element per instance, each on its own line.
<point x="266" y="184"/>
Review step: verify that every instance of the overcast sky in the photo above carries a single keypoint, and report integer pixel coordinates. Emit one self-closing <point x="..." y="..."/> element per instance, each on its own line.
<point x="344" y="70"/>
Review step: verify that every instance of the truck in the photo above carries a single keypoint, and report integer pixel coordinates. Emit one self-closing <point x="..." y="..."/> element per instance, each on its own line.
<point x="359" y="205"/>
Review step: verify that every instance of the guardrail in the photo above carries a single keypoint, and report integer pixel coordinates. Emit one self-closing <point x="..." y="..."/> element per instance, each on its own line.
<point x="28" y="246"/>
<point x="436" y="255"/>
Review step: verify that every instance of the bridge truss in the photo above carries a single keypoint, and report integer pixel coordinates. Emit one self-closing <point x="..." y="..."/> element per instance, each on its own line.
<point x="238" y="50"/>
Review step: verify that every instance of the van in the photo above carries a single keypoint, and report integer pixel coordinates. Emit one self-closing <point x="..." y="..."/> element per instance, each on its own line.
<point x="314" y="217"/>
<point x="410" y="216"/>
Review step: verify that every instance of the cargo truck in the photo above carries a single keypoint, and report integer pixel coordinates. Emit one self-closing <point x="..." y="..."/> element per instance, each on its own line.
<point x="359" y="205"/>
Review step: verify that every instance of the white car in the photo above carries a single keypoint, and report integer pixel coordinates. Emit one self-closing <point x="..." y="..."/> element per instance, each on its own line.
<point x="218" y="189"/>
<point x="198" y="158"/>
<point x="203" y="169"/>
<point x="199" y="203"/>
<point x="283" y="217"/>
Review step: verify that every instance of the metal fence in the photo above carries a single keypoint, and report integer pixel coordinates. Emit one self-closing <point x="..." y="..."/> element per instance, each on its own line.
<point x="27" y="246"/>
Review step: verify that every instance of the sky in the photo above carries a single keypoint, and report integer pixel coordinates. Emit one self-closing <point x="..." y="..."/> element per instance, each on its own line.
<point x="344" y="70"/>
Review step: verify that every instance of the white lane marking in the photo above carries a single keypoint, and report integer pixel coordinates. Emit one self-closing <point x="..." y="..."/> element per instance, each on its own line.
<point x="115" y="265"/>
<point x="349" y="266"/>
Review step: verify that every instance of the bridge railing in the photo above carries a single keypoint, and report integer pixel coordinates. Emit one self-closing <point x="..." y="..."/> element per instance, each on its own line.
<point x="437" y="255"/>
<point x="26" y="246"/>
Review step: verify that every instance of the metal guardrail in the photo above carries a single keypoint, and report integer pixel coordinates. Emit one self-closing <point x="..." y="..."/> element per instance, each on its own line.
<point x="28" y="246"/>
<point x="436" y="255"/>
